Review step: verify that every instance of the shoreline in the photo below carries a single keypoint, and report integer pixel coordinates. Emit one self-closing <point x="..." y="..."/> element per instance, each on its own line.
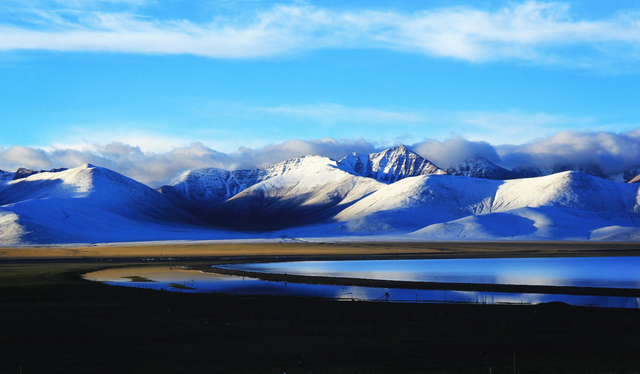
<point x="378" y="283"/>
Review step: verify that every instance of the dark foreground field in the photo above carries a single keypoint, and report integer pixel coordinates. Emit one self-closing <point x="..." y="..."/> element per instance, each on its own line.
<point x="53" y="321"/>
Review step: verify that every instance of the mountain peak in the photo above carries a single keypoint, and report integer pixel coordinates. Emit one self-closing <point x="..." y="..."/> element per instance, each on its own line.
<point x="400" y="148"/>
<point x="389" y="165"/>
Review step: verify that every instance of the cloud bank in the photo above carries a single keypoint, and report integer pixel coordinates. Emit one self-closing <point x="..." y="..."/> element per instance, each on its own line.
<point x="612" y="153"/>
<point x="539" y="32"/>
<point x="157" y="169"/>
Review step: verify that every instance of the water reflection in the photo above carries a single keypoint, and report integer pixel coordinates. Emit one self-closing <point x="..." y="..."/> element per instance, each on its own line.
<point x="612" y="272"/>
<point x="181" y="280"/>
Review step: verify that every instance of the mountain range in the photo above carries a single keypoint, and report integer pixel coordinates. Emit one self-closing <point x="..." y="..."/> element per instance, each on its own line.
<point x="391" y="195"/>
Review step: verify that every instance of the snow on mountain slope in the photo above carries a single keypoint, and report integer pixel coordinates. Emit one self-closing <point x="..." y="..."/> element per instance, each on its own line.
<point x="572" y="190"/>
<point x="616" y="233"/>
<point x="565" y="205"/>
<point x="419" y="201"/>
<point x="541" y="223"/>
<point x="295" y="192"/>
<point x="95" y="186"/>
<point x="206" y="187"/>
<point x="11" y="231"/>
<point x="199" y="189"/>
<point x="85" y="204"/>
<point x="390" y="165"/>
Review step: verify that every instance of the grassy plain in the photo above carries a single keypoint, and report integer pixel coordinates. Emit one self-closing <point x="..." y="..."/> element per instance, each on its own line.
<point x="352" y="249"/>
<point x="51" y="320"/>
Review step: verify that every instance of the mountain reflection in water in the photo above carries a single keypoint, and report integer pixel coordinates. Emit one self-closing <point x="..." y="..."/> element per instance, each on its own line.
<point x="178" y="279"/>
<point x="613" y="272"/>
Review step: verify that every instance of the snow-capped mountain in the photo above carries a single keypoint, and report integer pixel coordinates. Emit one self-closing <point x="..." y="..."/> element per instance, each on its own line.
<point x="199" y="189"/>
<point x="296" y="192"/>
<point x="394" y="193"/>
<point x="390" y="165"/>
<point x="85" y="204"/>
<point x="206" y="187"/>
<point x="480" y="167"/>
<point x="255" y="199"/>
<point x="565" y="205"/>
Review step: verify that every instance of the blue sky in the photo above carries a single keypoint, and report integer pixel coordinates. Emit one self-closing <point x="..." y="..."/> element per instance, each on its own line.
<point x="125" y="80"/>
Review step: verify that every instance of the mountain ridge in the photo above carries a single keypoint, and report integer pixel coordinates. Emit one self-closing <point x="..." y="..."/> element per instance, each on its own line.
<point x="202" y="188"/>
<point x="396" y="193"/>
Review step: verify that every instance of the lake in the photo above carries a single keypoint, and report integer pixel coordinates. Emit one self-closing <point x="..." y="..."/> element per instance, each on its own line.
<point x="610" y="272"/>
<point x="613" y="272"/>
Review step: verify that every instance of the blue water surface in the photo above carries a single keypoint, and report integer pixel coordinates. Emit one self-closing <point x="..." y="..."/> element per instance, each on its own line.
<point x="613" y="272"/>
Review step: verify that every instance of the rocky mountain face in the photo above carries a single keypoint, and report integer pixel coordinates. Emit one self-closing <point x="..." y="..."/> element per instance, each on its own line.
<point x="480" y="167"/>
<point x="390" y="165"/>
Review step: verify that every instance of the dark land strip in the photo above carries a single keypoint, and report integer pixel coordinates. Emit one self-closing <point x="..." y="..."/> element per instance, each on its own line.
<point x="53" y="321"/>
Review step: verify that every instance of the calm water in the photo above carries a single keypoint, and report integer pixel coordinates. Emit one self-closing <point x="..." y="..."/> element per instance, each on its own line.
<point x="614" y="272"/>
<point x="181" y="280"/>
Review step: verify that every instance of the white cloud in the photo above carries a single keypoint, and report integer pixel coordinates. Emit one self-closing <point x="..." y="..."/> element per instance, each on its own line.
<point x="612" y="153"/>
<point x="271" y="154"/>
<point x="156" y="169"/>
<point x="24" y="156"/>
<point x="456" y="149"/>
<point x="531" y="31"/>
